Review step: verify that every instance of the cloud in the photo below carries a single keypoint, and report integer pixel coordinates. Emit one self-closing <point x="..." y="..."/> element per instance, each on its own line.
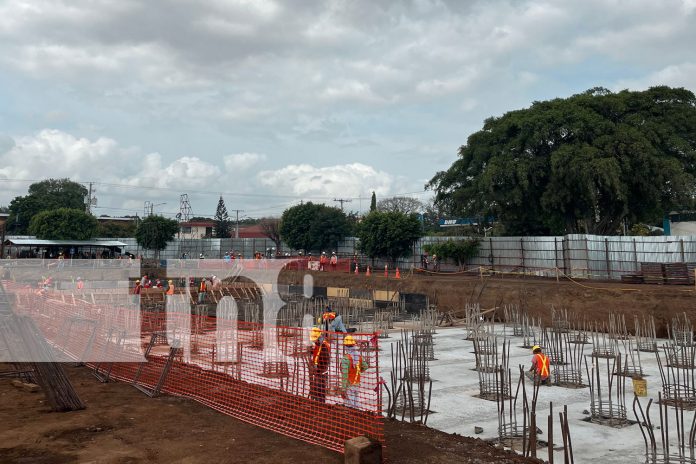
<point x="678" y="75"/>
<point x="242" y="161"/>
<point x="345" y="180"/>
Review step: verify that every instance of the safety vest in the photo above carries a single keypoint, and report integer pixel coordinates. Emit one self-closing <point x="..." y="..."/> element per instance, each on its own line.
<point x="334" y="259"/>
<point x="354" y="370"/>
<point x="542" y="365"/>
<point x="318" y="348"/>
<point x="322" y="260"/>
<point x="201" y="288"/>
<point x="170" y="290"/>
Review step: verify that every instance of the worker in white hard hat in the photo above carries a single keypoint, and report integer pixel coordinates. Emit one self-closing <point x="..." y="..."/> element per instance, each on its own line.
<point x="333" y="261"/>
<point x="541" y="366"/>
<point x="352" y="366"/>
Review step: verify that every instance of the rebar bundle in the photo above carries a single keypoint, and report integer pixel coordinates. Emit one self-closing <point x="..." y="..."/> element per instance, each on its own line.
<point x="569" y="373"/>
<point x="490" y="363"/>
<point x="513" y="424"/>
<point x="617" y="327"/>
<point x="473" y="320"/>
<point x="633" y="366"/>
<point x="423" y="341"/>
<point x="559" y="319"/>
<point x="678" y="382"/>
<point x="531" y="332"/>
<point x="384" y="321"/>
<point x="681" y="331"/>
<point x="646" y="336"/>
<point x="579" y="328"/>
<point x="604" y="344"/>
<point x="670" y="451"/>
<point x="411" y="385"/>
<point x="607" y="390"/>
<point x="553" y="343"/>
<point x="513" y="319"/>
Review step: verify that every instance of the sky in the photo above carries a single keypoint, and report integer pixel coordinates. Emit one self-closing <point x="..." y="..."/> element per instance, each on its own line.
<point x="269" y="103"/>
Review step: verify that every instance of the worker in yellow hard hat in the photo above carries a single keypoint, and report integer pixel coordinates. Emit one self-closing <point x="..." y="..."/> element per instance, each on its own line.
<point x="319" y="362"/>
<point x="541" y="366"/>
<point x="352" y="366"/>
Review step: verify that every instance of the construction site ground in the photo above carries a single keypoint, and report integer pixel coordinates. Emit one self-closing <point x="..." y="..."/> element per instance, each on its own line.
<point x="123" y="426"/>
<point x="594" y="299"/>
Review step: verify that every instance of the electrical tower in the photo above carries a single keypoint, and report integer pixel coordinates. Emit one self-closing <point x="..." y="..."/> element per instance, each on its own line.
<point x="184" y="208"/>
<point x="341" y="201"/>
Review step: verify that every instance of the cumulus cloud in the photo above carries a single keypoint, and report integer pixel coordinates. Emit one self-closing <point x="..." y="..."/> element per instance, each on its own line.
<point x="242" y="161"/>
<point x="343" y="180"/>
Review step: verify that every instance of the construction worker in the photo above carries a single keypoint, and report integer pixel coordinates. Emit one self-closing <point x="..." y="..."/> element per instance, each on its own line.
<point x="202" y="289"/>
<point x="80" y="283"/>
<point x="333" y="322"/>
<point x="138" y="287"/>
<point x="323" y="261"/>
<point x="352" y="366"/>
<point x="334" y="261"/>
<point x="319" y="365"/>
<point x="170" y="287"/>
<point x="541" y="367"/>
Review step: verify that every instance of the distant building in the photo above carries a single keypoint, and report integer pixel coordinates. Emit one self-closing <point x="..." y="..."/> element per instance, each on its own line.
<point x="255" y="231"/>
<point x="3" y="218"/>
<point x="196" y="229"/>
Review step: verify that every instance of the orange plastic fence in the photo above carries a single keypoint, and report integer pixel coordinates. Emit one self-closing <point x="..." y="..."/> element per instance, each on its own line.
<point x="264" y="375"/>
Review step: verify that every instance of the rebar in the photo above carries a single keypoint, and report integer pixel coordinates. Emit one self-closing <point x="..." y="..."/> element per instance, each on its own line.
<point x="569" y="373"/>
<point x="671" y="450"/>
<point x="559" y="319"/>
<point x="513" y="318"/>
<point x="646" y="337"/>
<point x="490" y="362"/>
<point x="678" y="380"/>
<point x="604" y="344"/>
<point x="607" y="390"/>
<point x="681" y="332"/>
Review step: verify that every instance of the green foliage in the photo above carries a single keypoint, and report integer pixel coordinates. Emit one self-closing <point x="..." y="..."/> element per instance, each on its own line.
<point x="388" y="235"/>
<point x="63" y="224"/>
<point x="116" y="229"/>
<point x="154" y="232"/>
<point x="578" y="165"/>
<point x="46" y="195"/>
<point x="373" y="202"/>
<point x="313" y="227"/>
<point x="459" y="251"/>
<point x="222" y="220"/>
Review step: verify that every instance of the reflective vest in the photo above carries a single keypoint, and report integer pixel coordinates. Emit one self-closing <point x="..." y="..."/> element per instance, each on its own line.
<point x="201" y="288"/>
<point x="542" y="365"/>
<point x="321" y="356"/>
<point x="170" y="290"/>
<point x="354" y="370"/>
<point x="334" y="259"/>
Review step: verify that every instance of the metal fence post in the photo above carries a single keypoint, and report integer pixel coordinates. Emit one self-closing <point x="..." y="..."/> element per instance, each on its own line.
<point x="522" y="252"/>
<point x="606" y="257"/>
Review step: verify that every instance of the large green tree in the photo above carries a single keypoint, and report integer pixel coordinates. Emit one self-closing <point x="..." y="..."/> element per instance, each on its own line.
<point x="313" y="227"/>
<point x="578" y="165"/>
<point x="46" y="195"/>
<point x="154" y="232"/>
<point x="388" y="235"/>
<point x="222" y="220"/>
<point x="63" y="224"/>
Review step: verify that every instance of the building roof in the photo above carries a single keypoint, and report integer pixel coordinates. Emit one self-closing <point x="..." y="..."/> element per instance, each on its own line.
<point x="255" y="231"/>
<point x="38" y="242"/>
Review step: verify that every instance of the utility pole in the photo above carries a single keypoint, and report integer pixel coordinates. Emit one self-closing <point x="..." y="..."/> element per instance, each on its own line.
<point x="341" y="201"/>
<point x="236" y="229"/>
<point x="90" y="200"/>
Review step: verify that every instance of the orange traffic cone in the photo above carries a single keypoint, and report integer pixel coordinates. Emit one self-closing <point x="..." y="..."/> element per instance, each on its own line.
<point x="368" y="272"/>
<point x="386" y="270"/>
<point x="398" y="274"/>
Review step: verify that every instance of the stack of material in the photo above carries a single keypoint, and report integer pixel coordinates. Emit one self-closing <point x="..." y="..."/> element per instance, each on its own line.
<point x="653" y="273"/>
<point x="632" y="278"/>
<point x="676" y="274"/>
<point x="691" y="268"/>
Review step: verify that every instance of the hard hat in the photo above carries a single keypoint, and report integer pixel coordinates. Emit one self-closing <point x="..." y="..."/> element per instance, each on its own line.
<point x="536" y="347"/>
<point x="315" y="334"/>
<point x="349" y="341"/>
<point x="171" y="282"/>
<point x="137" y="281"/>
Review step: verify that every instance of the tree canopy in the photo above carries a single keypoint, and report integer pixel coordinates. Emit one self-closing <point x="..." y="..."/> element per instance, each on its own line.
<point x="578" y="165"/>
<point x="313" y="227"/>
<point x="154" y="232"/>
<point x="388" y="235"/>
<point x="406" y="205"/>
<point x="46" y="195"/>
<point x="222" y="220"/>
<point x="459" y="251"/>
<point x="63" y="224"/>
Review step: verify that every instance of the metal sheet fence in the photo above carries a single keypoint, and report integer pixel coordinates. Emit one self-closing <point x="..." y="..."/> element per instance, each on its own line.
<point x="257" y="373"/>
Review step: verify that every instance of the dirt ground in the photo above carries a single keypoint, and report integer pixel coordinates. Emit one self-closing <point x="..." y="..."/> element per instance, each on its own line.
<point x="592" y="299"/>
<point x="123" y="426"/>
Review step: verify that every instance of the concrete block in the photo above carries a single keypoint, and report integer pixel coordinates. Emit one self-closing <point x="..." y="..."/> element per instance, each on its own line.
<point x="362" y="450"/>
<point x="30" y="387"/>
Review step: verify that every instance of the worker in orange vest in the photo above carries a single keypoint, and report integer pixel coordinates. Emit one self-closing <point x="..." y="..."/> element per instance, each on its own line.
<point x="202" y="289"/>
<point x="541" y="366"/>
<point x="334" y="261"/>
<point x="138" y="287"/>
<point x="319" y="365"/>
<point x="170" y="288"/>
<point x="323" y="260"/>
<point x="352" y="366"/>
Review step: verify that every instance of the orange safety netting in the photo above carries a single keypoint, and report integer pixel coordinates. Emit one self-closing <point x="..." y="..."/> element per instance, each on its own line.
<point x="269" y="376"/>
